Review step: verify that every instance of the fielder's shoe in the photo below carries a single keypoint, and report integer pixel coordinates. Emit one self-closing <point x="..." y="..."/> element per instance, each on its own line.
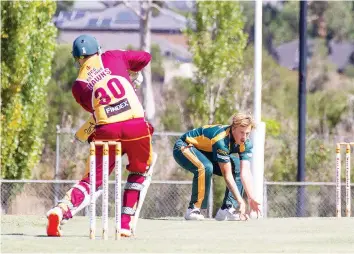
<point x="193" y="214"/>
<point x="54" y="217"/>
<point x="227" y="214"/>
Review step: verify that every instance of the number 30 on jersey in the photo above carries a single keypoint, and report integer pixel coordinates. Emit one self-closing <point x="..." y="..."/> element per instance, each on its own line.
<point x="115" y="89"/>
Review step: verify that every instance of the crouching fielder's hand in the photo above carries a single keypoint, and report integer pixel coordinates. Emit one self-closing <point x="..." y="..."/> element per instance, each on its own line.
<point x="254" y="206"/>
<point x="242" y="210"/>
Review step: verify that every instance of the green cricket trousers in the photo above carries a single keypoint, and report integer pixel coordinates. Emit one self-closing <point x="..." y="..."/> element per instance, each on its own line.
<point x="201" y="164"/>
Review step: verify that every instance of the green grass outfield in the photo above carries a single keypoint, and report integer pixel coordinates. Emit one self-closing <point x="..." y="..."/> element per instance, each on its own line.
<point x="20" y="234"/>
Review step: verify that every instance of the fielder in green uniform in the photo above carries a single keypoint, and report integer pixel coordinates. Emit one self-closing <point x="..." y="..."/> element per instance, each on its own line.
<point x="223" y="150"/>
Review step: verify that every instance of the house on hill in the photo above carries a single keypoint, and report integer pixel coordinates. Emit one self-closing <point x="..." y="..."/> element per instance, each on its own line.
<point x="287" y="54"/>
<point x="341" y="54"/>
<point x="118" y="27"/>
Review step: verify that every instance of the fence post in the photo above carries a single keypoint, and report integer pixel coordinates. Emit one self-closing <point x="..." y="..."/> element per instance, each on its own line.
<point x="57" y="160"/>
<point x="265" y="200"/>
<point x="211" y="199"/>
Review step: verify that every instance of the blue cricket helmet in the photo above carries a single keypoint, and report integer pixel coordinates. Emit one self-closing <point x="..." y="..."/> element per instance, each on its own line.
<point x="85" y="45"/>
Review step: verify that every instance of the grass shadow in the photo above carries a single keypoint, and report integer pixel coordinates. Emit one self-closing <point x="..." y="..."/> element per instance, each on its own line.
<point x="43" y="236"/>
<point x="14" y="234"/>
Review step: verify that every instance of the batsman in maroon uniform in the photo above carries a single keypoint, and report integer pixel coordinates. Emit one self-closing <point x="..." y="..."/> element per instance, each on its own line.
<point x="104" y="89"/>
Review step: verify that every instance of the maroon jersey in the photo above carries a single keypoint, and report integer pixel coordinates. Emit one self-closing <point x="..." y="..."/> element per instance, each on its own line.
<point x="103" y="86"/>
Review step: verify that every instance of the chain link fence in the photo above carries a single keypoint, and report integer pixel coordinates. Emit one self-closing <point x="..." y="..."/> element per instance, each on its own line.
<point x="36" y="197"/>
<point x="170" y="191"/>
<point x="320" y="199"/>
<point x="170" y="198"/>
<point x="70" y="158"/>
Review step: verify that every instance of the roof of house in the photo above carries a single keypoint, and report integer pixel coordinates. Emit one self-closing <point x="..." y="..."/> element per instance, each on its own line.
<point x="119" y="18"/>
<point x="88" y="5"/>
<point x="340" y="53"/>
<point x="287" y="54"/>
<point x="118" y="27"/>
<point x="69" y="16"/>
<point x="185" y="6"/>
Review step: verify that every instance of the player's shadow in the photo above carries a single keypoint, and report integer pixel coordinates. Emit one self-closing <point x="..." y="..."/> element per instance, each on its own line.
<point x="14" y="234"/>
<point x="65" y="236"/>
<point x="167" y="218"/>
<point x="21" y="234"/>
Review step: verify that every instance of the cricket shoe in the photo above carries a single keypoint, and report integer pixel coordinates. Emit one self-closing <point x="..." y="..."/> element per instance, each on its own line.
<point x="193" y="214"/>
<point x="125" y="232"/>
<point x="54" y="217"/>
<point x="227" y="214"/>
<point x="63" y="221"/>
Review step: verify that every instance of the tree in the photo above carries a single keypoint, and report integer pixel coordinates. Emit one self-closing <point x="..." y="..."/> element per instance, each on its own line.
<point x="157" y="69"/>
<point x="217" y="41"/>
<point x="145" y="44"/>
<point x="284" y="25"/>
<point x="63" y="6"/>
<point x="28" y="44"/>
<point x="339" y="18"/>
<point x="316" y="12"/>
<point x="63" y="108"/>
<point x="145" y="12"/>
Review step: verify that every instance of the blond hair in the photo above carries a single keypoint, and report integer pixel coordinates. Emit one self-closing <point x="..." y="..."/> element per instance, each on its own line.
<point x="243" y="120"/>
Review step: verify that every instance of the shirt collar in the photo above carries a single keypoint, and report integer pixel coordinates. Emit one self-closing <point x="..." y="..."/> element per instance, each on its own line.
<point x="89" y="62"/>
